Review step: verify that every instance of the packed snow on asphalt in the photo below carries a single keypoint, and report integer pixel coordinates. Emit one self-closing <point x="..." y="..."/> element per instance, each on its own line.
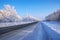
<point x="38" y="31"/>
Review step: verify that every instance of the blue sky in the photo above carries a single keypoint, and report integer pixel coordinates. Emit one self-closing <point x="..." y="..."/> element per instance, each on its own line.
<point x="37" y="8"/>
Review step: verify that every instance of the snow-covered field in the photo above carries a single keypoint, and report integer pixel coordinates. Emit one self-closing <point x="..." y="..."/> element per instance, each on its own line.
<point x="38" y="31"/>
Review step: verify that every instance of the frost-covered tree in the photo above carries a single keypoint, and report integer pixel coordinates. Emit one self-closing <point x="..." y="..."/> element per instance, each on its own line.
<point x="55" y="16"/>
<point x="9" y="14"/>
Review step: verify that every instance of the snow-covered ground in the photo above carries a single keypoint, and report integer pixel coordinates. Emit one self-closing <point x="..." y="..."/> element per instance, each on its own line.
<point x="52" y="29"/>
<point x="38" y="31"/>
<point x="54" y="26"/>
<point x="13" y="23"/>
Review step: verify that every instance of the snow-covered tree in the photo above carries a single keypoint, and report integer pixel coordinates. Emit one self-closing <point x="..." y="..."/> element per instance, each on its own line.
<point x="9" y="14"/>
<point x="55" y="16"/>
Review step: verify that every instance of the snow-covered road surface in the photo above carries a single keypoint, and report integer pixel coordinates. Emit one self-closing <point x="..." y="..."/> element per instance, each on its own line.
<point x="38" y="31"/>
<point x="18" y="34"/>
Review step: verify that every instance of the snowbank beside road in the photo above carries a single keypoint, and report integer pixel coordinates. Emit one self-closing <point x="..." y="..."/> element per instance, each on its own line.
<point x="52" y="31"/>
